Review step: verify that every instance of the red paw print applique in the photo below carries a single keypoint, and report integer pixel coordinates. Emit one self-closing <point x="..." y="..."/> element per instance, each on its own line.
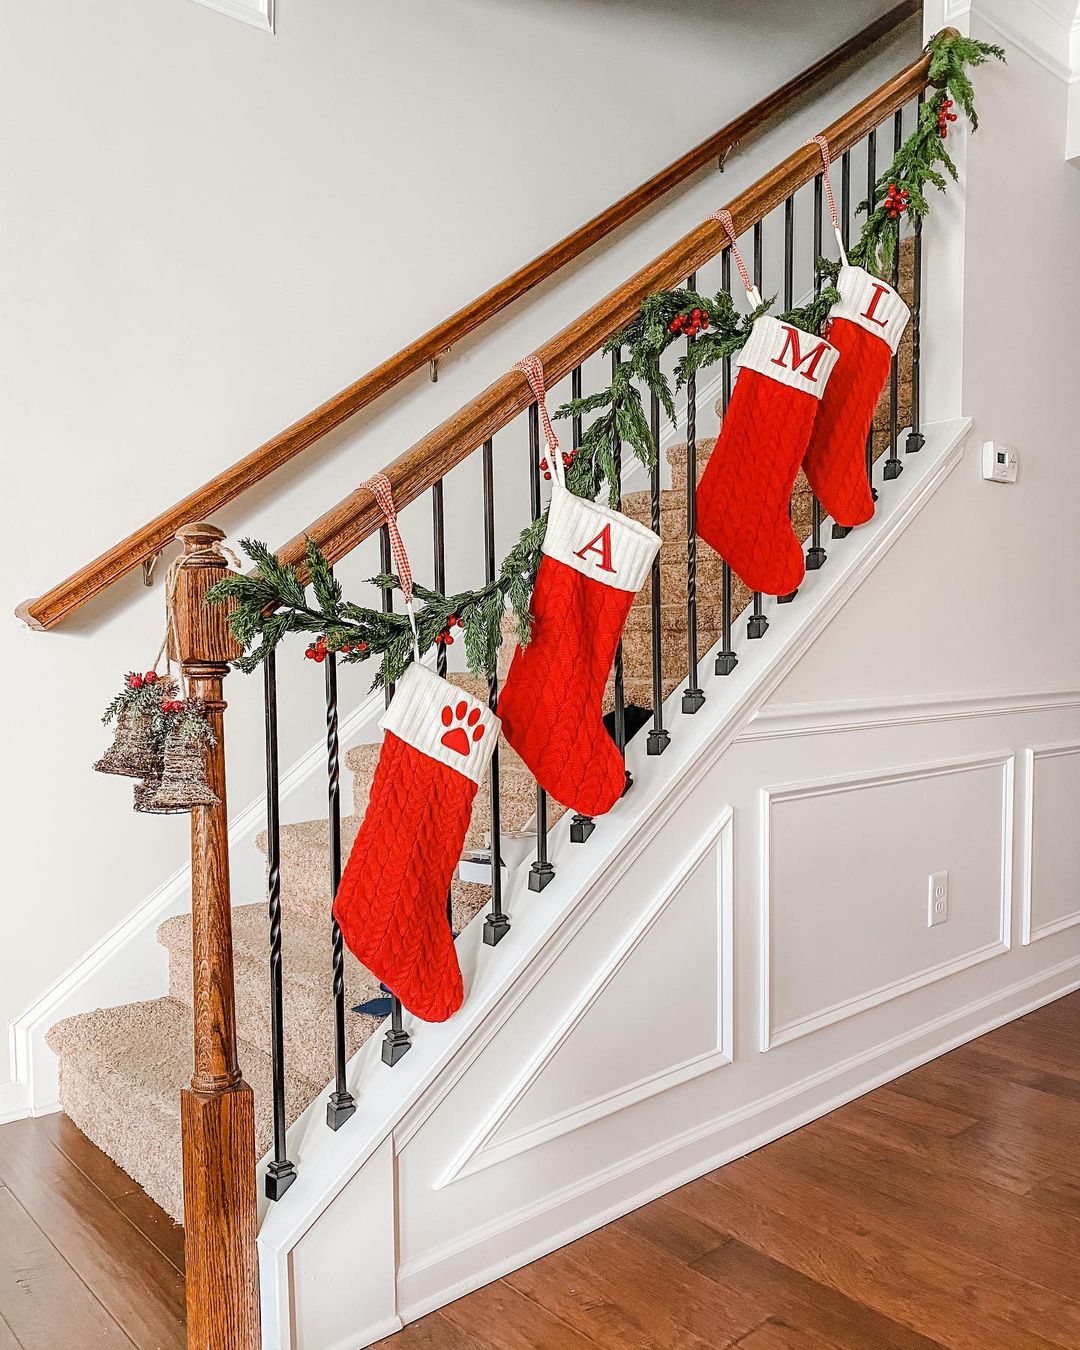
<point x="461" y="730"/>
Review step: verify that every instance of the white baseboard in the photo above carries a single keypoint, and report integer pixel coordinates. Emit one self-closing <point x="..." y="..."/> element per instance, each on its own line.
<point x="610" y="1194"/>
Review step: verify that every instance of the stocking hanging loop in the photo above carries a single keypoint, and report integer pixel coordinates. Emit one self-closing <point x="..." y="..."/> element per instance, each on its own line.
<point x="533" y="370"/>
<point x="826" y="163"/>
<point x="724" y="217"/>
<point x="384" y="495"/>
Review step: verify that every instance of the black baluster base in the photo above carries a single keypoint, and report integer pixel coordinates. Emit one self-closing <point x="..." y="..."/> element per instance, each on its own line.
<point x="787" y="599"/>
<point x="725" y="663"/>
<point x="873" y="494"/>
<point x="816" y="558"/>
<point x="496" y="927"/>
<point x="279" y="1177"/>
<point x="893" y="469"/>
<point x="915" y="442"/>
<point x="757" y="626"/>
<point x="396" y="1044"/>
<point x="693" y="700"/>
<point x="628" y="784"/>
<point x="841" y="531"/>
<point x="540" y="873"/>
<point x="580" y="828"/>
<point x="339" y="1108"/>
<point x="657" y="742"/>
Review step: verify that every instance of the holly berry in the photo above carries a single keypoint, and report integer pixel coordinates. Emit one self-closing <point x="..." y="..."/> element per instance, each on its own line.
<point x="173" y="705"/>
<point x="896" y="201"/>
<point x="134" y="681"/>
<point x="317" y="650"/>
<point x="151" y="677"/>
<point x="944" y="117"/>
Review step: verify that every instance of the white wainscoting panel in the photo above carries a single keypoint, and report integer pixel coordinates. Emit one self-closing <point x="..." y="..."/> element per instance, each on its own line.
<point x="1051" y="899"/>
<point x="657" y="1013"/>
<point x="844" y="911"/>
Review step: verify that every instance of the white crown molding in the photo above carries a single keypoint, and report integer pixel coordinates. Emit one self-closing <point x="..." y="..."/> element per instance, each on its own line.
<point x="258" y="13"/>
<point x="1046" y="30"/>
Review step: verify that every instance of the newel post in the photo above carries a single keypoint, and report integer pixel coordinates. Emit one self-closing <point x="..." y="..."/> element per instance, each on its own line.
<point x="218" y="1109"/>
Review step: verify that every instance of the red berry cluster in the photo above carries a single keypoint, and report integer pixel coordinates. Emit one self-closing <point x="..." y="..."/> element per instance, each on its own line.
<point x="173" y="705"/>
<point x="944" y="117"/>
<point x="136" y="681"/>
<point x="545" y="468"/>
<point x="445" y="638"/>
<point x="318" y="649"/>
<point x="690" y="325"/>
<point x="896" y="201"/>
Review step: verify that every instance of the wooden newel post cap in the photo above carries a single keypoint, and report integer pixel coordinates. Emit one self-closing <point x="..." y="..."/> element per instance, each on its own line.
<point x="202" y="631"/>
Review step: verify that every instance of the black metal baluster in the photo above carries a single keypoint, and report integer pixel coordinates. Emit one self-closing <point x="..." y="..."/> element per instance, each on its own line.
<point x="915" y="439"/>
<point x="620" y="696"/>
<point x="496" y="923"/>
<point x="580" y="826"/>
<point x="542" y="869"/>
<point x="871" y="185"/>
<point x="757" y="625"/>
<point x="815" y="554"/>
<point x="693" y="696"/>
<point x="894" y="465"/>
<point x="789" y="301"/>
<point x="438" y="549"/>
<point x="280" y="1173"/>
<point x="396" y="1042"/>
<point x="658" y="739"/>
<point x="839" y="531"/>
<point x="726" y="660"/>
<point x="341" y="1104"/>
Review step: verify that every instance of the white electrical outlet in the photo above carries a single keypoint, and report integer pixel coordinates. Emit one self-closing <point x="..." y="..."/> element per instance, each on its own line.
<point x="937" y="909"/>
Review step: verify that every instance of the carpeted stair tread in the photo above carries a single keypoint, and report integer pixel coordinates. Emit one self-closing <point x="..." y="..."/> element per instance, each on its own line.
<point x="121" y="1071"/>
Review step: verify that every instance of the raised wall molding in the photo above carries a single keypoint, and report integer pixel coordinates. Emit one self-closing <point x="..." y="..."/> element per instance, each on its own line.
<point x="258" y="13"/>
<point x="1030" y="930"/>
<point x="773" y="1035"/>
<point x="493" y="1143"/>
<point x="812" y="719"/>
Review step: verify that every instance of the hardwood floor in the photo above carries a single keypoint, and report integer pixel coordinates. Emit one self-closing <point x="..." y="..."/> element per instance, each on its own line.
<point x="941" y="1210"/>
<point x="87" y="1259"/>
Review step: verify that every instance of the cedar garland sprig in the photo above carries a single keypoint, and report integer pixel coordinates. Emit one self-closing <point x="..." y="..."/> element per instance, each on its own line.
<point x="922" y="161"/>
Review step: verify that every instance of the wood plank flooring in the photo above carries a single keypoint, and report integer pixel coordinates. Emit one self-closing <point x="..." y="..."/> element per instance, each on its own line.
<point x="941" y="1210"/>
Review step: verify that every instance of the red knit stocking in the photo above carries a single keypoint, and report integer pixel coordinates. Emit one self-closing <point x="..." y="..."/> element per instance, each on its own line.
<point x="744" y="493"/>
<point x="865" y="328"/>
<point x="552" y="703"/>
<point x="391" y="904"/>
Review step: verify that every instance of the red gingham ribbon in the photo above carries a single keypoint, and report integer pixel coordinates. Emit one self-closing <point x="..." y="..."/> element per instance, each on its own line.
<point x="724" y="217"/>
<point x="533" y="370"/>
<point x="826" y="162"/>
<point x="383" y="494"/>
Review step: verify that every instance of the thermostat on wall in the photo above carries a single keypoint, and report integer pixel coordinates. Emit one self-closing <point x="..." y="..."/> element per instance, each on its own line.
<point x="999" y="462"/>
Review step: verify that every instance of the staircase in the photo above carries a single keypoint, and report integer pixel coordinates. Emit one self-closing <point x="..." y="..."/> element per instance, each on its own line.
<point x="139" y="1053"/>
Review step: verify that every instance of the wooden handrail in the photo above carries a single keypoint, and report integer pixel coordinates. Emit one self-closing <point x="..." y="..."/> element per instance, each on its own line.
<point x="357" y="516"/>
<point x="57" y="604"/>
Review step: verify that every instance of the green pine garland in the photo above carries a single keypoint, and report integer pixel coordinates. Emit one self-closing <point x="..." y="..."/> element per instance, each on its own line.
<point x="273" y="601"/>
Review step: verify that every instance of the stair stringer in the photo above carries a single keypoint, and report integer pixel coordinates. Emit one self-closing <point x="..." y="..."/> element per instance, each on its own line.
<point x="455" y="1150"/>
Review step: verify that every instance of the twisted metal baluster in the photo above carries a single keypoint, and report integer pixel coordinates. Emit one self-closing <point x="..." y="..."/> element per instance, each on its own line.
<point x="620" y="697"/>
<point x="658" y="739"/>
<point x="915" y="439"/>
<point x="396" y="1042"/>
<point x="815" y="554"/>
<point x="280" y="1172"/>
<point x="340" y="1105"/>
<point x="580" y="826"/>
<point x="757" y="625"/>
<point x="542" y="870"/>
<point x="894" y="465"/>
<point x="438" y="531"/>
<point x="693" y="695"/>
<point x="726" y="660"/>
<point x="496" y="923"/>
